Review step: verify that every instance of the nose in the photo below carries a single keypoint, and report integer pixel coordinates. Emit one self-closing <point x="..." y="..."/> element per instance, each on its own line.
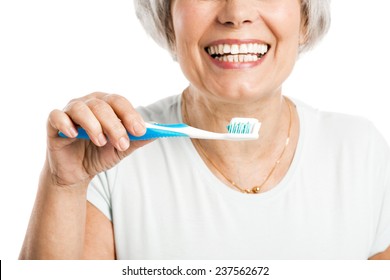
<point x="236" y="13"/>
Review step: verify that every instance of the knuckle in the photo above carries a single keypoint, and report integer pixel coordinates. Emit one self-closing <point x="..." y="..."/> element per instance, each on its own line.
<point x="96" y="105"/>
<point x="53" y="116"/>
<point x="130" y="118"/>
<point x="114" y="98"/>
<point x="70" y="104"/>
<point x="95" y="128"/>
<point x="58" y="120"/>
<point x="95" y="94"/>
<point x="83" y="99"/>
<point x="73" y="100"/>
<point x="53" y="113"/>
<point x="117" y="128"/>
<point x="117" y="100"/>
<point x="75" y="106"/>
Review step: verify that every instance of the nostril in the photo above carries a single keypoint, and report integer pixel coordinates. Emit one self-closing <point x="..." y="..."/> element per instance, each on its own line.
<point x="236" y="24"/>
<point x="229" y="23"/>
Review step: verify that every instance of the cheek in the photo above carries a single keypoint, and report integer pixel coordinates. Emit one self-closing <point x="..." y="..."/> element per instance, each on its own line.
<point x="190" y="24"/>
<point x="187" y="25"/>
<point x="185" y="40"/>
<point x="285" y="23"/>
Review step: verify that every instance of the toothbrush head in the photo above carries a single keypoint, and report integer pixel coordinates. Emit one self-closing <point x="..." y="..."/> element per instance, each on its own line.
<point x="247" y="128"/>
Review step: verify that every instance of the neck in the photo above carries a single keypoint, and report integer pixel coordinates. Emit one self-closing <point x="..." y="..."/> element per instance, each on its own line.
<point x="208" y="112"/>
<point x="240" y="160"/>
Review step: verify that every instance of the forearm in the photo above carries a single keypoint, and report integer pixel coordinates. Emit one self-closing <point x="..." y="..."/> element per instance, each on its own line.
<point x="57" y="224"/>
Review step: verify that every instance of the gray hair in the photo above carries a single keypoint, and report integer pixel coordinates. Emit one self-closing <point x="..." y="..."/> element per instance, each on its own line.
<point x="155" y="16"/>
<point x="316" y="16"/>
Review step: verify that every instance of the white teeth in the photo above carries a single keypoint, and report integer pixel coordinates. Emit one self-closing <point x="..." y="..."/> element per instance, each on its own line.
<point x="250" y="48"/>
<point x="226" y="48"/>
<point x="220" y="49"/>
<point x="238" y="58"/>
<point x="238" y="52"/>
<point x="243" y="48"/>
<point x="235" y="49"/>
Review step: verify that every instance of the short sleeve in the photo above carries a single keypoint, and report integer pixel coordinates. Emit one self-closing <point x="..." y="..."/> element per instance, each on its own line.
<point x="382" y="238"/>
<point x="382" y="230"/>
<point x="99" y="194"/>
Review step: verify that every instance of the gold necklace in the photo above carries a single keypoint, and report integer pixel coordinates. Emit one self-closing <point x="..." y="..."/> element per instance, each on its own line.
<point x="255" y="189"/>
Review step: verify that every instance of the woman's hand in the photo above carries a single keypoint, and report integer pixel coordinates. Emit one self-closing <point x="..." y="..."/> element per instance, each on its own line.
<point x="62" y="220"/>
<point x="106" y="118"/>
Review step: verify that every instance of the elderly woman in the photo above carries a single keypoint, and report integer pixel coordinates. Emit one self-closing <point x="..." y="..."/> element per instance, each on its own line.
<point x="315" y="185"/>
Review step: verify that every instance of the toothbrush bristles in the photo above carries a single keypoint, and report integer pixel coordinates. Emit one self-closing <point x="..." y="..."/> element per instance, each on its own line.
<point x="243" y="126"/>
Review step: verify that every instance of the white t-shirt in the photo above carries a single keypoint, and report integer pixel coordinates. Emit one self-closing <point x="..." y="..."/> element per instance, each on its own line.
<point x="333" y="203"/>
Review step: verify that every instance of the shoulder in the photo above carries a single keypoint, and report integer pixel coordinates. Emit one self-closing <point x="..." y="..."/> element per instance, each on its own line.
<point x="166" y="110"/>
<point x="351" y="144"/>
<point x="340" y="129"/>
<point x="332" y="121"/>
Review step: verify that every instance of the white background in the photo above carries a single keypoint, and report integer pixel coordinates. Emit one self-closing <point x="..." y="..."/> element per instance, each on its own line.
<point x="53" y="51"/>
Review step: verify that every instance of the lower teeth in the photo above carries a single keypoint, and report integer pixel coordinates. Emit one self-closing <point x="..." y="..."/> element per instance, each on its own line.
<point x="239" y="58"/>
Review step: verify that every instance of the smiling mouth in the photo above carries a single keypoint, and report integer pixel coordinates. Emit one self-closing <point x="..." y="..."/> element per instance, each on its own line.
<point x="238" y="53"/>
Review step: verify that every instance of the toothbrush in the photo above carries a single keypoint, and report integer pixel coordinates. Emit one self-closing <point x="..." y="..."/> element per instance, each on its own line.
<point x="239" y="129"/>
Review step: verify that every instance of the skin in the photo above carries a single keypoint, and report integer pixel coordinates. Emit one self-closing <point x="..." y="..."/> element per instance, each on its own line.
<point x="216" y="95"/>
<point x="64" y="225"/>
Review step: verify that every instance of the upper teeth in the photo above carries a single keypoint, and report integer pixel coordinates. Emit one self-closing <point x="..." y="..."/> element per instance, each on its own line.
<point x="251" y="48"/>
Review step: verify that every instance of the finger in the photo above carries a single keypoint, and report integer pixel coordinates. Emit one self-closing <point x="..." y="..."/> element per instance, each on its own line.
<point x="82" y="115"/>
<point x="59" y="121"/>
<point x="93" y="95"/>
<point x="111" y="124"/>
<point x="130" y="118"/>
<point x="134" y="146"/>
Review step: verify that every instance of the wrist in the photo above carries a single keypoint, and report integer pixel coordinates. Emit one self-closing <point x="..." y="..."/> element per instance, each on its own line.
<point x="51" y="180"/>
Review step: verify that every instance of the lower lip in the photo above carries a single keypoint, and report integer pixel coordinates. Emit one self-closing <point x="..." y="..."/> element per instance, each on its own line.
<point x="236" y="65"/>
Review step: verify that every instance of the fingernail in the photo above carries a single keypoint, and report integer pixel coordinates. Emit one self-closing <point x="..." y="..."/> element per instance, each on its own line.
<point x="72" y="132"/>
<point x="102" y="139"/>
<point x="139" y="128"/>
<point x="124" y="143"/>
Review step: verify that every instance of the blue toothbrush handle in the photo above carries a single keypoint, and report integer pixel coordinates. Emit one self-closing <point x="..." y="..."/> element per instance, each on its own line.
<point x="151" y="133"/>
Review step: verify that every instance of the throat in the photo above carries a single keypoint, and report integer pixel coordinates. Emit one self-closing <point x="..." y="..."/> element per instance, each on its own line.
<point x="252" y="167"/>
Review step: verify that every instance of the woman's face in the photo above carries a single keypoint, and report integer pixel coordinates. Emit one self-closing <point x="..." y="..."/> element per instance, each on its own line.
<point x="238" y="50"/>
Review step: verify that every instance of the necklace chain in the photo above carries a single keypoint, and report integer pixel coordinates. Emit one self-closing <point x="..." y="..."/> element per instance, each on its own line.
<point x="255" y="189"/>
